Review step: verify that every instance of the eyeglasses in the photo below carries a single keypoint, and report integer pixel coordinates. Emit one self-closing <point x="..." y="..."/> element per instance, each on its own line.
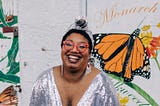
<point x="69" y="45"/>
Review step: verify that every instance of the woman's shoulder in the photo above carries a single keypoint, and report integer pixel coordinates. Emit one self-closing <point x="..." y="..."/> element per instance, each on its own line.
<point x="48" y="73"/>
<point x="102" y="76"/>
<point x="45" y="74"/>
<point x="99" y="72"/>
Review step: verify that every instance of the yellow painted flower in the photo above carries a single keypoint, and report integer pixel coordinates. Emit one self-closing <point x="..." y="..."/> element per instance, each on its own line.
<point x="146" y="38"/>
<point x="123" y="100"/>
<point x="158" y="25"/>
<point x="146" y="27"/>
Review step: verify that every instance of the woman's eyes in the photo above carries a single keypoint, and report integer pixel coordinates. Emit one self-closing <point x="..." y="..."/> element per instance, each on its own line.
<point x="69" y="44"/>
<point x="82" y="46"/>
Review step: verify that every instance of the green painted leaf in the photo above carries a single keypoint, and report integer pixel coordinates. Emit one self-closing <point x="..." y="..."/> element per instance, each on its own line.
<point x="14" y="68"/>
<point x="4" y="37"/>
<point x="11" y="23"/>
<point x="3" y="58"/>
<point x="2" y="17"/>
<point x="12" y="53"/>
<point x="9" y="78"/>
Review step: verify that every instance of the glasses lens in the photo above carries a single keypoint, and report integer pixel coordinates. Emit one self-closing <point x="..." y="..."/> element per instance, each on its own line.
<point x="82" y="47"/>
<point x="68" y="45"/>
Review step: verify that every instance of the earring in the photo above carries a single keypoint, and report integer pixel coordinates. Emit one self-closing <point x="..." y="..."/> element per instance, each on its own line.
<point x="91" y="61"/>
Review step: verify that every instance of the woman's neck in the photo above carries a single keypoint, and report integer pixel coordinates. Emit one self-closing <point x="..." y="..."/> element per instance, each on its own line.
<point x="73" y="76"/>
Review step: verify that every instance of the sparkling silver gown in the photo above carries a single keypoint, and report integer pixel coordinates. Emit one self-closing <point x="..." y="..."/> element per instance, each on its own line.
<point x="100" y="92"/>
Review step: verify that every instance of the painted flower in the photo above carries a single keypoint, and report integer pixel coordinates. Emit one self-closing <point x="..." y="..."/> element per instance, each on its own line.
<point x="152" y="44"/>
<point x="146" y="27"/>
<point x="158" y="25"/>
<point x="123" y="100"/>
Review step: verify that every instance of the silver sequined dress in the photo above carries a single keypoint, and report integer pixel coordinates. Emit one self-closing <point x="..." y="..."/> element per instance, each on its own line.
<point x="100" y="92"/>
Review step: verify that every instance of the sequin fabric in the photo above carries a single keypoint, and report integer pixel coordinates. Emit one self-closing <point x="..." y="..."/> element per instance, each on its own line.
<point x="100" y="92"/>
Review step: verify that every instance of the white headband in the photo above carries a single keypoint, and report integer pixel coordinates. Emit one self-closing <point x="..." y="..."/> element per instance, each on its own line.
<point x="82" y="24"/>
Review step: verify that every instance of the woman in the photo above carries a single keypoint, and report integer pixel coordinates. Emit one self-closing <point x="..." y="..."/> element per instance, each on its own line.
<point x="75" y="82"/>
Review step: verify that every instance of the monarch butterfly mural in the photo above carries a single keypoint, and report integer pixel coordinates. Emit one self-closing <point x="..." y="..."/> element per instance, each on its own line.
<point x="122" y="54"/>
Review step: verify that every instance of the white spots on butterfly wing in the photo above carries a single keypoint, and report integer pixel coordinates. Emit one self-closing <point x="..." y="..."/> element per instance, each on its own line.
<point x="134" y="37"/>
<point x="98" y="41"/>
<point x="98" y="38"/>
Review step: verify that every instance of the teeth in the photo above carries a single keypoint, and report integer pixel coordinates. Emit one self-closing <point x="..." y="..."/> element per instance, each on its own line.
<point x="73" y="57"/>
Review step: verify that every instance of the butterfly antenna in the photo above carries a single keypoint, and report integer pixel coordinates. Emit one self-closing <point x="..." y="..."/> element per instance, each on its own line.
<point x="141" y="21"/>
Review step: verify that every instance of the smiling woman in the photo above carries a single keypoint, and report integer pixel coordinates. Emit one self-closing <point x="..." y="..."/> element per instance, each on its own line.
<point x="76" y="82"/>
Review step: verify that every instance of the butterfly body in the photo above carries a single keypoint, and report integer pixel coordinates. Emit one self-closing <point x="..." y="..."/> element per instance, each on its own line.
<point x="130" y="44"/>
<point x="122" y="54"/>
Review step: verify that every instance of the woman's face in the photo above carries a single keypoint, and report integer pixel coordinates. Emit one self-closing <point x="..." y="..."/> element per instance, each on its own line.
<point x="75" y="52"/>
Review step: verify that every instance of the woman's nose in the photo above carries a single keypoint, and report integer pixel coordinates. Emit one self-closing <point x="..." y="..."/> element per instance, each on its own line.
<point x="74" y="49"/>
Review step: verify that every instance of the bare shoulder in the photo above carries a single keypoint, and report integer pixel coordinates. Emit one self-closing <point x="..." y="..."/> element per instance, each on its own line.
<point x="56" y="70"/>
<point x="95" y="70"/>
<point x="56" y="67"/>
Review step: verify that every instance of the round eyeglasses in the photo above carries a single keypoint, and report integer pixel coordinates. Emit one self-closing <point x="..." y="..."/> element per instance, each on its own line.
<point x="69" y="45"/>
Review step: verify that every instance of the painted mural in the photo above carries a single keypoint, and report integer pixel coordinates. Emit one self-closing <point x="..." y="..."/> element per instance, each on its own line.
<point x="127" y="47"/>
<point x="9" y="50"/>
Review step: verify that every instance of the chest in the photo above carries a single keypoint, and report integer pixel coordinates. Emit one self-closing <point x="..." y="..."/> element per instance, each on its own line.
<point x="71" y="93"/>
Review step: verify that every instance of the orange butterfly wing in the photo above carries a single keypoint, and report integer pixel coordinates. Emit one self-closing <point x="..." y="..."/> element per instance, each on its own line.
<point x="107" y="46"/>
<point x="112" y="50"/>
<point x="137" y="60"/>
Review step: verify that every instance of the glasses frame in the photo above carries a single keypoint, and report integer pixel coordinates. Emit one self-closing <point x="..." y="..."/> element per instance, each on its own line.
<point x="77" y="46"/>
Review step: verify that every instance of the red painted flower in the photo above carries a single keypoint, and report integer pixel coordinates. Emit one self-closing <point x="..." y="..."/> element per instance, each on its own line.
<point x="153" y="46"/>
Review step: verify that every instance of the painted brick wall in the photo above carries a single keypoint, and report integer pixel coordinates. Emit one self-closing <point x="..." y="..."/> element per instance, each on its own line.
<point x="42" y="24"/>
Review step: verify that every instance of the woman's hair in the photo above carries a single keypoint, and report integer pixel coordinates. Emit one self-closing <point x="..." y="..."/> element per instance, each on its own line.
<point x="81" y="27"/>
<point x="82" y="32"/>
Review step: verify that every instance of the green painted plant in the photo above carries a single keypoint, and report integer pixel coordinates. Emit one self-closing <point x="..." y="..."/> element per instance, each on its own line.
<point x="136" y="88"/>
<point x="12" y="65"/>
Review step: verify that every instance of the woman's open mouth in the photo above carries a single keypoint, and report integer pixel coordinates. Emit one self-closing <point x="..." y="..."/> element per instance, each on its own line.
<point x="73" y="58"/>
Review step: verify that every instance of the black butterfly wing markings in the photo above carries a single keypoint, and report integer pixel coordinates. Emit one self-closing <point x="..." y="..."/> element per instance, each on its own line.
<point x="122" y="54"/>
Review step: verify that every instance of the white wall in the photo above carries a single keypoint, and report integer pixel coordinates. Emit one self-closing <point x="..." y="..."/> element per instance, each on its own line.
<point x="42" y="23"/>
